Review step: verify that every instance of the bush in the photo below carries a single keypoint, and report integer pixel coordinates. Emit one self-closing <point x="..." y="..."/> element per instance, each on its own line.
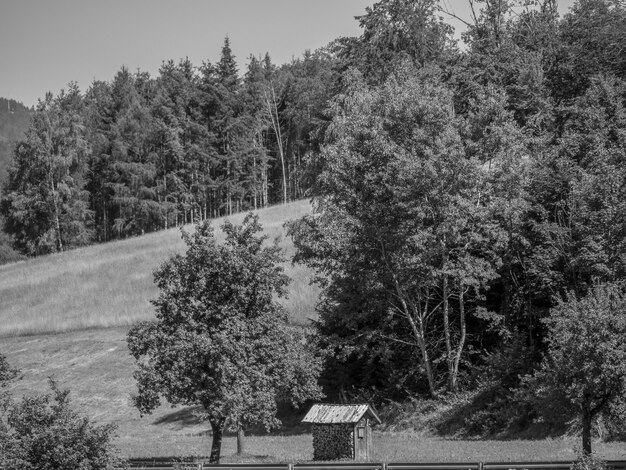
<point x="7" y="253"/>
<point x="43" y="432"/>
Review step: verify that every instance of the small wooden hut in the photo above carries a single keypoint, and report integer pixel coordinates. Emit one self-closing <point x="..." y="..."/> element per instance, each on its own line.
<point x="342" y="431"/>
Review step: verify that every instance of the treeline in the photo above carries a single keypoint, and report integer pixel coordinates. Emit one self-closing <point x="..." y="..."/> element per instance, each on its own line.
<point x="460" y="194"/>
<point x="139" y="154"/>
<point x="14" y="121"/>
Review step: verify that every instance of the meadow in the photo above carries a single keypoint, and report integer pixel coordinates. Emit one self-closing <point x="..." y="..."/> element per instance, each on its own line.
<point x="96" y="366"/>
<point x="111" y="284"/>
<point x="66" y="316"/>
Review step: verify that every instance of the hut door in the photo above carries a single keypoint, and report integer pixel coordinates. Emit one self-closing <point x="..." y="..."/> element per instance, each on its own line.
<point x="360" y="444"/>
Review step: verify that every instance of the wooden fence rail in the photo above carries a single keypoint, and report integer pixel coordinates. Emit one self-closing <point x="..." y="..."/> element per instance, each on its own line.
<point x="171" y="464"/>
<point x="163" y="465"/>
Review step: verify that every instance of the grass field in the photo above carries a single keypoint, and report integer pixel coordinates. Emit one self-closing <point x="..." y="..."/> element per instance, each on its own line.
<point x="110" y="284"/>
<point x="96" y="366"/>
<point x="67" y="316"/>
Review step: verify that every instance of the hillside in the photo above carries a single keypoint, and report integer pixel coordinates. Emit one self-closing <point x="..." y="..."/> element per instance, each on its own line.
<point x="110" y="285"/>
<point x="97" y="367"/>
<point x="74" y="295"/>
<point x="67" y="315"/>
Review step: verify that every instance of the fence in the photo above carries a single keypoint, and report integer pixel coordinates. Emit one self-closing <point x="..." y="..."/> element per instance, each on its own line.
<point x="162" y="464"/>
<point x="169" y="464"/>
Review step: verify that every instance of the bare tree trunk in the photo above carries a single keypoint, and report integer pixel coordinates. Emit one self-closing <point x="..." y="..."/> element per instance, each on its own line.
<point x="586" y="422"/>
<point x="415" y="315"/>
<point x="273" y="112"/>
<point x="240" y="440"/>
<point x="446" y="332"/>
<point x="56" y="216"/>
<point x="421" y="338"/>
<point x="459" y="350"/>
<point x="216" y="444"/>
<point x="255" y="184"/>
<point x="104" y="218"/>
<point x="265" y="186"/>
<point x="416" y="321"/>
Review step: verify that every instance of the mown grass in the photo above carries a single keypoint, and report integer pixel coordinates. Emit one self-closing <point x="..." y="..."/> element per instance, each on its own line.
<point x="96" y="366"/>
<point x="111" y="284"/>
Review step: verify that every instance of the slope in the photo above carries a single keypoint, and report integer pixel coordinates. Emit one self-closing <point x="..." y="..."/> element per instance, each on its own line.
<point x="110" y="285"/>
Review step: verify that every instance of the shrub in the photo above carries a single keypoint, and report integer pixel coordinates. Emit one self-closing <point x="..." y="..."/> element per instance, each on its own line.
<point x="43" y="432"/>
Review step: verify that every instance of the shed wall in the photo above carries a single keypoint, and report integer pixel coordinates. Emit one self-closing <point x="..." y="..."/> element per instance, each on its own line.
<point x="332" y="441"/>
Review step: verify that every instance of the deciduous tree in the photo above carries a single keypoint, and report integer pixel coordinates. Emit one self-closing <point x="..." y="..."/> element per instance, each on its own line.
<point x="221" y="339"/>
<point x="585" y="368"/>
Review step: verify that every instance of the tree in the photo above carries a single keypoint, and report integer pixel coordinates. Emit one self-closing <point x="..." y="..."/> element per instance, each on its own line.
<point x="395" y="31"/>
<point x="592" y="41"/>
<point x="45" y="203"/>
<point x="44" y="433"/>
<point x="585" y="367"/>
<point x="402" y="230"/>
<point x="221" y="339"/>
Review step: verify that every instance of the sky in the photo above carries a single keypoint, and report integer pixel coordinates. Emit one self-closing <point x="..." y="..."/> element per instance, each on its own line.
<point x="45" y="44"/>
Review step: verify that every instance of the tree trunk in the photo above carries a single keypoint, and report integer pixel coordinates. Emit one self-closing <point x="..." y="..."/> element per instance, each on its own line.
<point x="586" y="422"/>
<point x="57" y="224"/>
<point x="415" y="317"/>
<point x="426" y="360"/>
<point x="240" y="440"/>
<point x="446" y="332"/>
<point x="216" y="444"/>
<point x="273" y="112"/>
<point x="461" y="345"/>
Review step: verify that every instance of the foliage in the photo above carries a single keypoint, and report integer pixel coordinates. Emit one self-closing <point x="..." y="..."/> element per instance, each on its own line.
<point x="14" y="122"/>
<point x="404" y="231"/>
<point x="395" y="31"/>
<point x="7" y="253"/>
<point x="43" y="432"/>
<point x="44" y="204"/>
<point x="220" y="339"/>
<point x="587" y="461"/>
<point x="585" y="367"/>
<point x="7" y="373"/>
<point x="138" y="154"/>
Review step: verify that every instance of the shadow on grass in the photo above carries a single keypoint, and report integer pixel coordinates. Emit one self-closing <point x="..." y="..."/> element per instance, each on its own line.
<point x="289" y="417"/>
<point x="183" y="417"/>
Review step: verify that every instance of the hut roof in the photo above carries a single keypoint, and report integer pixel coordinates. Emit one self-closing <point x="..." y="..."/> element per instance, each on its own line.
<point x="323" y="413"/>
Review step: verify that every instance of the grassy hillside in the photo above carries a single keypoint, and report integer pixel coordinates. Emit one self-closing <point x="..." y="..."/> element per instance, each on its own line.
<point x="96" y="366"/>
<point x="73" y="296"/>
<point x="110" y="285"/>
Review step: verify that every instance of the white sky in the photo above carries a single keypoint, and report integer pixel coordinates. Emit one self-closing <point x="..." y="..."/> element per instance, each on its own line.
<point x="44" y="44"/>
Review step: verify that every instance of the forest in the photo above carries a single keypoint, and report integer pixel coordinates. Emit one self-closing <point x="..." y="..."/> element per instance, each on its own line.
<point x="469" y="196"/>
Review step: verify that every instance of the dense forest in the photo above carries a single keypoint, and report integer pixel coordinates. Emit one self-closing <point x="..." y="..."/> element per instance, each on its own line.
<point x="138" y="154"/>
<point x="459" y="189"/>
<point x="459" y="196"/>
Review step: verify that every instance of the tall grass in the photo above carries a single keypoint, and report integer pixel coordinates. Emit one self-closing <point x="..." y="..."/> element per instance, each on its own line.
<point x="111" y="284"/>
